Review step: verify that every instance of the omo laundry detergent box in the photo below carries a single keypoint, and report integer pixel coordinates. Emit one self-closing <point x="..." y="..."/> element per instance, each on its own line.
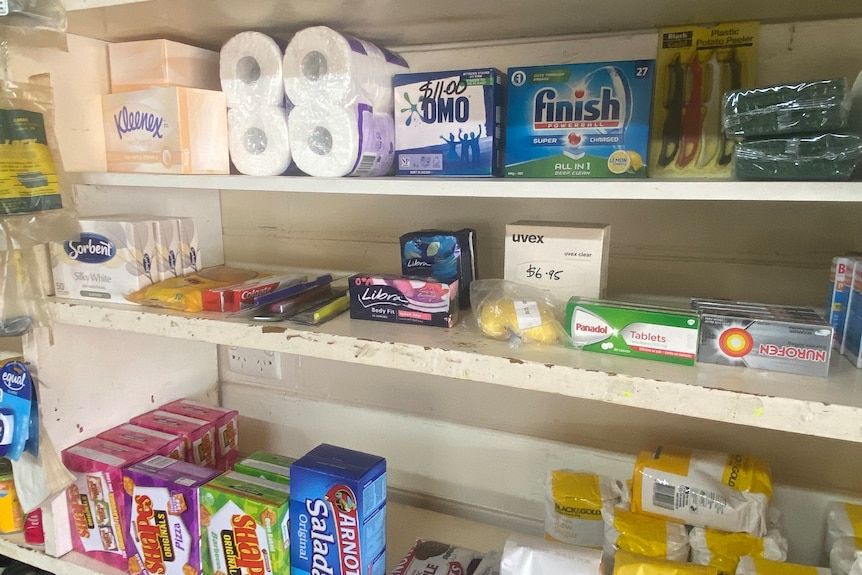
<point x="449" y="123"/>
<point x="338" y="512"/>
<point x="163" y="515"/>
<point x="579" y="120"/>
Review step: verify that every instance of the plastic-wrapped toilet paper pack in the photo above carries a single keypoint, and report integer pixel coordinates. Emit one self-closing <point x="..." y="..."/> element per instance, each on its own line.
<point x="250" y="71"/>
<point x="258" y="140"/>
<point x="335" y="141"/>
<point x="322" y="65"/>
<point x="525" y="555"/>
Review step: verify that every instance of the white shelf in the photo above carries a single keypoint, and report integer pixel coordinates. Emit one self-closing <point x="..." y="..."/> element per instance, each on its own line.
<point x="827" y="408"/>
<point x="73" y="563"/>
<point x="647" y="189"/>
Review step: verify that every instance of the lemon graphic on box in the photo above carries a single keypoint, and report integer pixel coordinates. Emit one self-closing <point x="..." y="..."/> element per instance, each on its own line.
<point x="636" y="161"/>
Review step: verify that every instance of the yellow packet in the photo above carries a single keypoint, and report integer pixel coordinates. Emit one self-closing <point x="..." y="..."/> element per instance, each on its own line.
<point x="573" y="506"/>
<point x="755" y="566"/>
<point x="645" y="535"/>
<point x="631" y="564"/>
<point x="185" y="293"/>
<point x="723" y="549"/>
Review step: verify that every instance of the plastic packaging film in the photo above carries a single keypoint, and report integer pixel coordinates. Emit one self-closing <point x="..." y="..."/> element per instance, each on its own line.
<point x="525" y="555"/>
<point x="814" y="157"/>
<point x="574" y="506"/>
<point x="644" y="535"/>
<point x="749" y="565"/>
<point x="250" y="71"/>
<point x="632" y="564"/>
<point x="258" y="140"/>
<point x="842" y="520"/>
<point x="723" y="550"/>
<point x="335" y="141"/>
<point x="844" y="554"/>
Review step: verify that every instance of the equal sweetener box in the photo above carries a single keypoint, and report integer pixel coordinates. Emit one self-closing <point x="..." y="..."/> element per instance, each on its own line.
<point x="163" y="516"/>
<point x="226" y="422"/>
<point x="579" y="120"/>
<point x="96" y="503"/>
<point x="449" y="123"/>
<point x="198" y="434"/>
<point x="166" y="131"/>
<point x="400" y="299"/>
<point x="245" y="526"/>
<point x="149" y="440"/>
<point x="338" y="512"/>
<point x="112" y="258"/>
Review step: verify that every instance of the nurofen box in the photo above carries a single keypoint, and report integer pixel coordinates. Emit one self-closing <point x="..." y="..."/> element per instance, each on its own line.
<point x="631" y="330"/>
<point x="579" y="120"/>
<point x="338" y="496"/>
<point x="199" y="434"/>
<point x="96" y="503"/>
<point x="166" y="131"/>
<point x="190" y="246"/>
<point x="449" y="123"/>
<point x="147" y="63"/>
<point x="149" y="440"/>
<point x="266" y="466"/>
<point x="245" y="526"/>
<point x="400" y="299"/>
<point x="112" y="258"/>
<point x="226" y="422"/>
<point x="567" y="259"/>
<point x="163" y="516"/>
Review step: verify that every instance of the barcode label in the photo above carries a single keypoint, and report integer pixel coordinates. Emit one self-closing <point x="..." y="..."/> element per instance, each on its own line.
<point x="672" y="497"/>
<point x="366" y="164"/>
<point x="4" y="7"/>
<point x="664" y="495"/>
<point x="159" y="462"/>
<point x="527" y="313"/>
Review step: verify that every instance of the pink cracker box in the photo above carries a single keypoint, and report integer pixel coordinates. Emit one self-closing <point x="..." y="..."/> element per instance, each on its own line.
<point x="149" y="440"/>
<point x="163" y="516"/>
<point x="96" y="504"/>
<point x="226" y="423"/>
<point x="199" y="434"/>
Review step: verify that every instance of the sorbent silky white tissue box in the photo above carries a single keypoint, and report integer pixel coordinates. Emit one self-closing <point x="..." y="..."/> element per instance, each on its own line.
<point x="566" y="259"/>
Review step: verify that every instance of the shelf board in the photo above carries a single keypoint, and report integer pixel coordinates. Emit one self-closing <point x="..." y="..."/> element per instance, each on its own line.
<point x="827" y="408"/>
<point x="646" y="189"/>
<point x="14" y="547"/>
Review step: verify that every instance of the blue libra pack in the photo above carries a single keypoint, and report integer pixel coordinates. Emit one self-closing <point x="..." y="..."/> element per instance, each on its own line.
<point x="338" y="513"/>
<point x="449" y="123"/>
<point x="579" y="120"/>
<point x="443" y="255"/>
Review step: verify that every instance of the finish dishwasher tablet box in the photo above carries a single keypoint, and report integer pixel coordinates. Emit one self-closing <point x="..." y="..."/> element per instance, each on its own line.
<point x="449" y="123"/>
<point x="245" y="528"/>
<point x="579" y="120"/>
<point x="338" y="512"/>
<point x="728" y="492"/>
<point x="163" y="516"/>
<point x="166" y="131"/>
<point x="149" y="63"/>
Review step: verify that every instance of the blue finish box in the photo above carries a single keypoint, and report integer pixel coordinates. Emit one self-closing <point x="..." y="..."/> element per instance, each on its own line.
<point x="338" y="512"/>
<point x="449" y="123"/>
<point x="579" y="120"/>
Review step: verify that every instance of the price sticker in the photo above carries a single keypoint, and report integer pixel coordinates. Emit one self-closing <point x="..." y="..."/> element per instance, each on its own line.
<point x="527" y="313"/>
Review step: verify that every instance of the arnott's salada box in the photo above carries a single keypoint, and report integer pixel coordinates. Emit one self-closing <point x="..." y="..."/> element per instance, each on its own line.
<point x="338" y="512"/>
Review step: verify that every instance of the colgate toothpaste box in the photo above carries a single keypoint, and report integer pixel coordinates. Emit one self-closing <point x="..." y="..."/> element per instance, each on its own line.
<point x="163" y="515"/>
<point x="199" y="434"/>
<point x="96" y="503"/>
<point x="149" y="440"/>
<point x="226" y="422"/>
<point x="242" y="296"/>
<point x="244" y="526"/>
<point x="338" y="512"/>
<point x="400" y="299"/>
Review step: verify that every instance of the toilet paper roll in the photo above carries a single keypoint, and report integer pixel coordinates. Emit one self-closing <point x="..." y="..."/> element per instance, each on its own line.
<point x="250" y="71"/>
<point x="334" y="142"/>
<point x="322" y="66"/>
<point x="258" y="140"/>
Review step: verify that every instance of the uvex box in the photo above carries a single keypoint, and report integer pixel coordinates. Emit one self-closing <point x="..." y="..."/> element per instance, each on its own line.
<point x="449" y="123"/>
<point x="245" y="526"/>
<point x="399" y="299"/>
<point x="226" y="422"/>
<point x="163" y="515"/>
<point x="149" y="440"/>
<point x="149" y="63"/>
<point x="338" y="496"/>
<point x="565" y="258"/>
<point x="96" y="504"/>
<point x="166" y="131"/>
<point x="198" y="434"/>
<point x="266" y="466"/>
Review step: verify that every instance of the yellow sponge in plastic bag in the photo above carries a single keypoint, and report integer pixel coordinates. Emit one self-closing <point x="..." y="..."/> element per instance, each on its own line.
<point x="185" y="293"/>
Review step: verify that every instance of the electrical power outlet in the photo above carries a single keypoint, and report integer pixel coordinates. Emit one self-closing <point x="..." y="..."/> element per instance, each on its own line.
<point x="254" y="362"/>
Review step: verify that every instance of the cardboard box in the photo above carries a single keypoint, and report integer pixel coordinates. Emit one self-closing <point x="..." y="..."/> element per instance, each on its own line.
<point x="151" y="63"/>
<point x="190" y="246"/>
<point x="566" y="259"/>
<point x="245" y="526"/>
<point x="226" y="422"/>
<point x="199" y="434"/>
<point x="96" y="503"/>
<point x="166" y="131"/>
<point x="112" y="258"/>
<point x="149" y="440"/>
<point x="163" y="516"/>
<point x="442" y="255"/>
<point x="339" y="495"/>
<point x="449" y="123"/>
<point x="266" y="466"/>
<point x="399" y="299"/>
<point x="579" y="120"/>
